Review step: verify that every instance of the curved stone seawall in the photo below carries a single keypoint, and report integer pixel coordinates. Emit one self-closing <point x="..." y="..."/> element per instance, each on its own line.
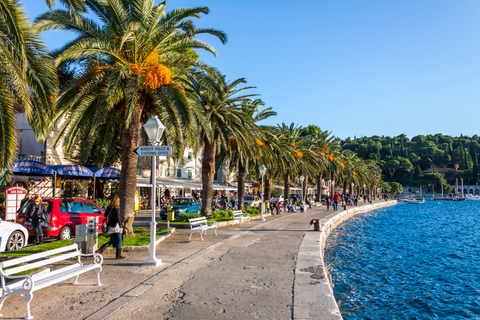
<point x="313" y="295"/>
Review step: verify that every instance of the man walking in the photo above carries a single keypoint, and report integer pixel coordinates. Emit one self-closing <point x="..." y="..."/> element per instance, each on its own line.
<point x="336" y="197"/>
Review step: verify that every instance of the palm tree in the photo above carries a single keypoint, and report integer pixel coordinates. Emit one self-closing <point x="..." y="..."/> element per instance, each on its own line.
<point x="250" y="108"/>
<point x="292" y="145"/>
<point x="28" y="79"/>
<point x="138" y="48"/>
<point x="272" y="156"/>
<point x="322" y="143"/>
<point x="227" y="126"/>
<point x="72" y="5"/>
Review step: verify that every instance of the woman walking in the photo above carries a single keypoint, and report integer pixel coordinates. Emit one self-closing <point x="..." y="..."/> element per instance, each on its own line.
<point x="115" y="230"/>
<point x="39" y="218"/>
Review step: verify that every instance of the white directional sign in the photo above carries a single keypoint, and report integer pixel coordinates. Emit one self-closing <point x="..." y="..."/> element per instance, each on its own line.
<point x="153" y="151"/>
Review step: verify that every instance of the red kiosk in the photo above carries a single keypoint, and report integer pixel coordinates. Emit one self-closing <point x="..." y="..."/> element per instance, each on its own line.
<point x="14" y="197"/>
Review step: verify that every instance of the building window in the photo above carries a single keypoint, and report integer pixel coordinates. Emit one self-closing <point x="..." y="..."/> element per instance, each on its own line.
<point x="179" y="173"/>
<point x="190" y="174"/>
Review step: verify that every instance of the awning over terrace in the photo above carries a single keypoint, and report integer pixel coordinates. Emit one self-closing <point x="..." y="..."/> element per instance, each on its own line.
<point x="73" y="170"/>
<point x="108" y="173"/>
<point x="32" y="167"/>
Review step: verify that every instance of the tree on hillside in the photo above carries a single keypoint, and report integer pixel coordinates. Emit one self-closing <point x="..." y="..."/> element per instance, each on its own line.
<point x="392" y="164"/>
<point x="395" y="188"/>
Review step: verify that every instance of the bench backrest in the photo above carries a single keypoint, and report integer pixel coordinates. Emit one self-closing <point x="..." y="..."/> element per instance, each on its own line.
<point x="55" y="255"/>
<point x="237" y="213"/>
<point x="197" y="221"/>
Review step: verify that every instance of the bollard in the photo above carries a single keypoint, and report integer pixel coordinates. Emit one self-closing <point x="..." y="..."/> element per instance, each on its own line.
<point x="316" y="224"/>
<point x="345" y="207"/>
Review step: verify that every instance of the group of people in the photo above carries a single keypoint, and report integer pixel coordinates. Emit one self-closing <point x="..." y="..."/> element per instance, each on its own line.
<point x="39" y="217"/>
<point x="290" y="205"/>
<point x="349" y="199"/>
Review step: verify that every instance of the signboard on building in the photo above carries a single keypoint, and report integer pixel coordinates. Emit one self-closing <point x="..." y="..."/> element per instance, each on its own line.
<point x="13" y="199"/>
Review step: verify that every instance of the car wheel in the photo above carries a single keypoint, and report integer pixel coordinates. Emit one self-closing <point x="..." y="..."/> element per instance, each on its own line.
<point x="15" y="241"/>
<point x="65" y="233"/>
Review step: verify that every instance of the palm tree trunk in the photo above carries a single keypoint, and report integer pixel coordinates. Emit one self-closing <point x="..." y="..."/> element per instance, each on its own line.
<point x="128" y="175"/>
<point x="319" y="187"/>
<point x="304" y="188"/>
<point x="344" y="188"/>
<point x="268" y="185"/>
<point x="208" y="173"/>
<point x="286" y="186"/>
<point x="333" y="184"/>
<point x="241" y="184"/>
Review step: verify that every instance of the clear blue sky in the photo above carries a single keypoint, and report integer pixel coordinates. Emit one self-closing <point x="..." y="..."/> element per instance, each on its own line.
<point x="356" y="68"/>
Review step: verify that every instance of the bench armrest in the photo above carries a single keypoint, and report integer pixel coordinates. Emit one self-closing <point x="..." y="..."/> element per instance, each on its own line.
<point x="98" y="258"/>
<point x="27" y="284"/>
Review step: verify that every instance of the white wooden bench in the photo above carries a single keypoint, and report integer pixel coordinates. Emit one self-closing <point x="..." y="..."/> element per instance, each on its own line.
<point x="25" y="285"/>
<point x="201" y="226"/>
<point x="239" y="216"/>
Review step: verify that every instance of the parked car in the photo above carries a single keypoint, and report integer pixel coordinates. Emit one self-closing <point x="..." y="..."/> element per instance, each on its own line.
<point x="13" y="236"/>
<point x="65" y="214"/>
<point x="275" y="199"/>
<point x="252" y="201"/>
<point x="181" y="205"/>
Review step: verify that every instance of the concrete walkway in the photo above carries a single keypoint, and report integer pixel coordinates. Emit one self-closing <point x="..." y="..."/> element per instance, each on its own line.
<point x="245" y="272"/>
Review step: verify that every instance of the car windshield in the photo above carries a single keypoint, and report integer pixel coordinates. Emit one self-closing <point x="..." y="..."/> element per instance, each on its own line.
<point x="179" y="202"/>
<point x="249" y="198"/>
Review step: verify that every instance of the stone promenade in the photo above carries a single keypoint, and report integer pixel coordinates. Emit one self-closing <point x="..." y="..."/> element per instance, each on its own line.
<point x="245" y="272"/>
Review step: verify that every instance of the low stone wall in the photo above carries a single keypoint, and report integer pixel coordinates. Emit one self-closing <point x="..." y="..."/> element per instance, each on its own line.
<point x="313" y="294"/>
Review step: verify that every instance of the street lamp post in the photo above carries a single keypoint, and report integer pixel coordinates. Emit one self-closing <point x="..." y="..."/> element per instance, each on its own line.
<point x="301" y="187"/>
<point x="262" y="169"/>
<point x="353" y="185"/>
<point x="154" y="129"/>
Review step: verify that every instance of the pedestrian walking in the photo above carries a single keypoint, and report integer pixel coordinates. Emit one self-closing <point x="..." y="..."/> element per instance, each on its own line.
<point x="336" y="197"/>
<point x="115" y="229"/>
<point x="327" y="201"/>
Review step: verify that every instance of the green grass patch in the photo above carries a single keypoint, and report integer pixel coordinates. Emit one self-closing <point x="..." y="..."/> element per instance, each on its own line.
<point x="142" y="237"/>
<point x="36" y="249"/>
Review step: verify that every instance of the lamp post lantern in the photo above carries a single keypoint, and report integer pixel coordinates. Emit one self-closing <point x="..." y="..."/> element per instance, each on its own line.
<point x="262" y="169"/>
<point x="154" y="129"/>
<point x="301" y="186"/>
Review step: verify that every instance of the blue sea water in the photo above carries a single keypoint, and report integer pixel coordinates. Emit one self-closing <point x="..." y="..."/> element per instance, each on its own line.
<point x="408" y="262"/>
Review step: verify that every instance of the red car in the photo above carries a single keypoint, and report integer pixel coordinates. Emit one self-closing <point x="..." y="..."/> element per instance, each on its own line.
<point x="65" y="213"/>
